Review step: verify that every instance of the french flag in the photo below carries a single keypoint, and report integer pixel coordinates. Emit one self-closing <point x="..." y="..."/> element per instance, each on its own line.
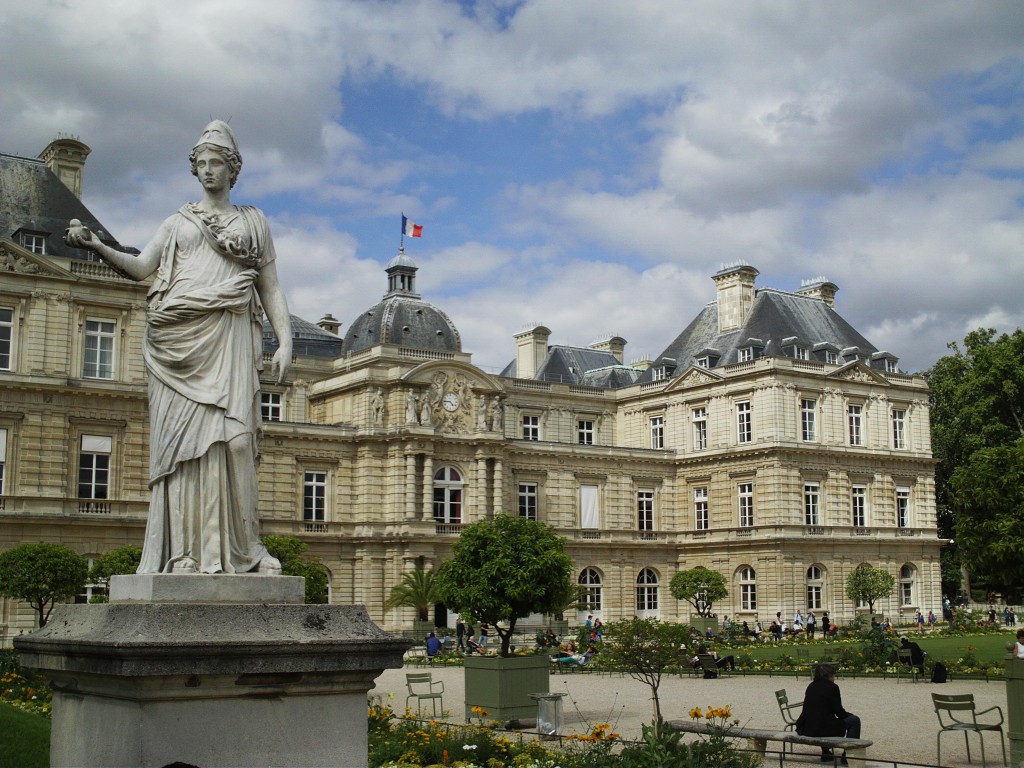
<point x="409" y="229"/>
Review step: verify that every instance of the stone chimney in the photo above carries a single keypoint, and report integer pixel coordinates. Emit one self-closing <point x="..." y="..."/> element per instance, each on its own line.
<point x="65" y="157"/>
<point x="736" y="293"/>
<point x="821" y="289"/>
<point x="329" y="323"/>
<point x="614" y="344"/>
<point x="531" y="349"/>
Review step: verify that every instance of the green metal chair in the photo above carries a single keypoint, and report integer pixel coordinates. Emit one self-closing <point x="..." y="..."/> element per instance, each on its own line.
<point x="421" y="685"/>
<point x="951" y="706"/>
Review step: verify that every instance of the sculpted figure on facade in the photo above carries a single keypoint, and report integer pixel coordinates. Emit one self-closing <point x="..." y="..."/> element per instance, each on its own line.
<point x="498" y="422"/>
<point x="411" y="415"/>
<point x="377" y="407"/>
<point x="216" y="274"/>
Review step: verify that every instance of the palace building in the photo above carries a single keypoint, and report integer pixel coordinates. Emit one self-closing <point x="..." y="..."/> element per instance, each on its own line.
<point x="770" y="441"/>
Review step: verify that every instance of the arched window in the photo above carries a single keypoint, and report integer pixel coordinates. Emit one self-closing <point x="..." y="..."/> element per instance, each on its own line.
<point x="907" y="577"/>
<point x="647" y="593"/>
<point x="748" y="589"/>
<point x="448" y="496"/>
<point x="590" y="590"/>
<point x="815" y="588"/>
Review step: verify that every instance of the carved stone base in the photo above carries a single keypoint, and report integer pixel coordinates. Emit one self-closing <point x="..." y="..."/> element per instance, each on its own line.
<point x="207" y="588"/>
<point x="149" y="684"/>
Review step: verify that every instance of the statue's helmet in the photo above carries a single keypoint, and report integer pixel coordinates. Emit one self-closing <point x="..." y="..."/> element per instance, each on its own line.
<point x="219" y="134"/>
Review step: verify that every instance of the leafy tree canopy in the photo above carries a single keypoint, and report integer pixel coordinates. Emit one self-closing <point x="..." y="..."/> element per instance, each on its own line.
<point x="700" y="587"/>
<point x="418" y="589"/>
<point x="122" y="561"/>
<point x="977" y="405"/>
<point x="645" y="648"/>
<point x="42" y="574"/>
<point x="504" y="569"/>
<point x="868" y="584"/>
<point x="291" y="550"/>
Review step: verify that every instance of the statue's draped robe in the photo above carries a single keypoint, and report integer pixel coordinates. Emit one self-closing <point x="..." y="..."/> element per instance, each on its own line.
<point x="203" y="351"/>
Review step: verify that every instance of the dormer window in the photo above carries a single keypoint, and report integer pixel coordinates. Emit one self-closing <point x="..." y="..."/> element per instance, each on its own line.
<point x="664" y="369"/>
<point x="33" y="242"/>
<point x="744" y="354"/>
<point x="801" y="353"/>
<point x="703" y="362"/>
<point x="890" y="366"/>
<point x="659" y="374"/>
<point x="831" y="357"/>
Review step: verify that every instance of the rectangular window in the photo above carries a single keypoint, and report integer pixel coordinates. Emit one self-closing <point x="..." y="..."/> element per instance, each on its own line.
<point x="744" y="354"/>
<point x="590" y="512"/>
<point x="899" y="423"/>
<point x="314" y="497"/>
<point x="890" y="366"/>
<point x="660" y="373"/>
<point x="6" y="337"/>
<point x="99" y="349"/>
<point x="700" y="429"/>
<point x="270" y="406"/>
<point x="808" y="419"/>
<point x="3" y="459"/>
<point x="701" y="520"/>
<point x="94" y="467"/>
<point x="748" y="597"/>
<point x="813" y="597"/>
<point x="858" y="505"/>
<point x="832" y="358"/>
<point x="745" y="492"/>
<point x="702" y="362"/>
<point x="33" y="243"/>
<point x="854" y="414"/>
<point x="531" y="427"/>
<point x="903" y="507"/>
<point x="812" y="514"/>
<point x="585" y="431"/>
<point x="907" y="594"/>
<point x="645" y="509"/>
<point x="801" y="353"/>
<point x="744" y="423"/>
<point x="528" y="500"/>
<point x="646" y="596"/>
<point x="657" y="431"/>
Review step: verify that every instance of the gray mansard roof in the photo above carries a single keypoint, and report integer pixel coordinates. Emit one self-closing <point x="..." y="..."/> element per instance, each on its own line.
<point x="581" y="365"/>
<point x="34" y="201"/>
<point x="307" y="339"/>
<point x="777" y="323"/>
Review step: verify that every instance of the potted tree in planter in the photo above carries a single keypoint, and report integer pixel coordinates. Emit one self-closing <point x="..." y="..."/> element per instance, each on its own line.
<point x="700" y="587"/>
<point x="418" y="589"/>
<point x="501" y="570"/>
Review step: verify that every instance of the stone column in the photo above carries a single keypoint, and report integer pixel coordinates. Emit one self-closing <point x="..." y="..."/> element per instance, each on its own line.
<point x="480" y="492"/>
<point x="410" y="486"/>
<point x="428" y="488"/>
<point x="195" y="676"/>
<point x="498" y="485"/>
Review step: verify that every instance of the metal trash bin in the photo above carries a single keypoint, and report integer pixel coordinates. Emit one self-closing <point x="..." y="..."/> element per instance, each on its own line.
<point x="549" y="713"/>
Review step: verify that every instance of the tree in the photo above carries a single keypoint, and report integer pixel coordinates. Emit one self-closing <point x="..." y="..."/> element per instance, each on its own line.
<point x="418" y="589"/>
<point x="290" y="550"/>
<point x="121" y="561"/>
<point x="867" y="584"/>
<point x="504" y="569"/>
<point x="977" y="404"/>
<point x="645" y="648"/>
<point x="42" y="574"/>
<point x="700" y="587"/>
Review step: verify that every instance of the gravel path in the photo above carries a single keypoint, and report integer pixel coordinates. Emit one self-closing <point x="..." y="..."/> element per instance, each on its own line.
<point x="898" y="717"/>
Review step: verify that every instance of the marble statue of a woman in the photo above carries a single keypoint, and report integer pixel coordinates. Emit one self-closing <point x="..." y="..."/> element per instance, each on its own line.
<point x="215" y="276"/>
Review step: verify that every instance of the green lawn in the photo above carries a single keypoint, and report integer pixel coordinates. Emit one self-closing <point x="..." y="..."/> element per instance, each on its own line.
<point x="24" y="739"/>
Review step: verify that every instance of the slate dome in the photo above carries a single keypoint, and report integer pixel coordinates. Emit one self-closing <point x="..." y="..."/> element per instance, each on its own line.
<point x="402" y="317"/>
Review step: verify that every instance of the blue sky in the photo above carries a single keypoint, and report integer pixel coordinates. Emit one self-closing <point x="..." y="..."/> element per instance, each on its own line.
<point x="586" y="164"/>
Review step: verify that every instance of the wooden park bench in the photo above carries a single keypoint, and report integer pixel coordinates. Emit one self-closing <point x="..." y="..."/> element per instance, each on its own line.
<point x="856" y="749"/>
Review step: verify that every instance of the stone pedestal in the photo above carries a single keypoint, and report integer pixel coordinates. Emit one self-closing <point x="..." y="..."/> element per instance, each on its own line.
<point x="151" y="683"/>
<point x="1015" y="709"/>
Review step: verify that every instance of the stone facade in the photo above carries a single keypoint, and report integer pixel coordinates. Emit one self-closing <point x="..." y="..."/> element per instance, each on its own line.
<point x="782" y="469"/>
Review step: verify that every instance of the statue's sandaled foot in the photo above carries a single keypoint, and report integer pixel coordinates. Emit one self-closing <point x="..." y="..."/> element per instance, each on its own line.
<point x="184" y="565"/>
<point x="270" y="566"/>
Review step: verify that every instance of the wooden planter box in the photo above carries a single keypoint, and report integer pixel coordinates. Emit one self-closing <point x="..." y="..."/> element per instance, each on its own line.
<point x="503" y="686"/>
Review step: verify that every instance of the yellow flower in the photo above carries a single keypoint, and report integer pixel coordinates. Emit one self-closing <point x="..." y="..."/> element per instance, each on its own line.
<point x="696" y="713"/>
